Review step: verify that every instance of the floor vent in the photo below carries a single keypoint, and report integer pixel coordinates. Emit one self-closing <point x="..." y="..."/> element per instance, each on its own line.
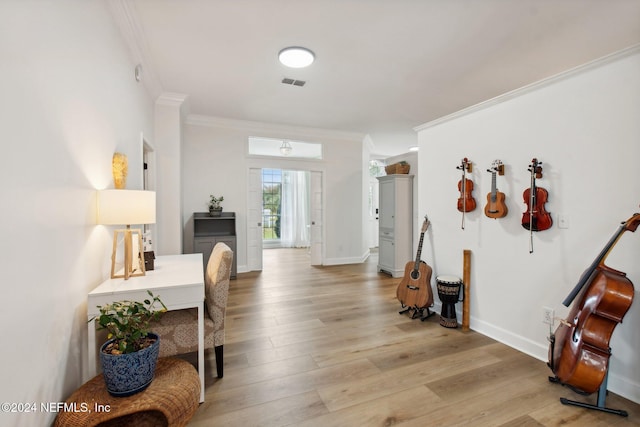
<point x="293" y="82"/>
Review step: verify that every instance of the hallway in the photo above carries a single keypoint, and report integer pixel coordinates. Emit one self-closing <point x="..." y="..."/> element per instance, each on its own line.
<point x="325" y="346"/>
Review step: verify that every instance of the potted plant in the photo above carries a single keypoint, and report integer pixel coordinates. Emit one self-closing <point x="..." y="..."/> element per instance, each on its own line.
<point x="129" y="357"/>
<point x="214" y="205"/>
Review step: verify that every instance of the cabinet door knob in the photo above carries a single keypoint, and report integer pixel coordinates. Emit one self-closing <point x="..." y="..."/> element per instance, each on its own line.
<point x="259" y="224"/>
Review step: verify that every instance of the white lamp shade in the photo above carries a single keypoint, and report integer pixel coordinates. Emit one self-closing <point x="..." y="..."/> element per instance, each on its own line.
<point x="126" y="207"/>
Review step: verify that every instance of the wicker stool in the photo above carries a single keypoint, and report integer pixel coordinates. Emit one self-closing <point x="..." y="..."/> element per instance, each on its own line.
<point x="170" y="400"/>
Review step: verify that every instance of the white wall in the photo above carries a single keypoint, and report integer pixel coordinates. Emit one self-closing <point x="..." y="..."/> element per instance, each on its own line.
<point x="170" y="109"/>
<point x="367" y="229"/>
<point x="69" y="102"/>
<point x="584" y="127"/>
<point x="216" y="162"/>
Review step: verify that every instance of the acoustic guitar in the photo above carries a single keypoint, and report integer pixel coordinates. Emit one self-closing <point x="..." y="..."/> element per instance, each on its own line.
<point x="495" y="207"/>
<point x="414" y="290"/>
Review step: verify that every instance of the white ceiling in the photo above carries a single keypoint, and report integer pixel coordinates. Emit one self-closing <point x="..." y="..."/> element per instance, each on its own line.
<point x="382" y="67"/>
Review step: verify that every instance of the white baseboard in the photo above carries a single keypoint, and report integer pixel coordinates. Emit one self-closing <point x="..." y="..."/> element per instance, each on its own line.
<point x="347" y="260"/>
<point x="328" y="261"/>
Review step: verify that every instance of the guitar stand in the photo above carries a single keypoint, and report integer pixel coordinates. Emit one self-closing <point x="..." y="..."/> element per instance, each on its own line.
<point x="405" y="309"/>
<point x="418" y="312"/>
<point x="429" y="313"/>
<point x="602" y="395"/>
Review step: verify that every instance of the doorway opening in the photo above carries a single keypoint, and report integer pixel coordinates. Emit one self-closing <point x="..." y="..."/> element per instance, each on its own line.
<point x="285" y="209"/>
<point x="149" y="184"/>
<point x="376" y="169"/>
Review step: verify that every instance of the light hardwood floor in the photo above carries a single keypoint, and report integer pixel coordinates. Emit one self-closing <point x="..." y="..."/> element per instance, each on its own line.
<point x="309" y="346"/>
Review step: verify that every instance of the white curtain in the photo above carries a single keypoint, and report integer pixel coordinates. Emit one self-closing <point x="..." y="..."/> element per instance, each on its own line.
<point x="294" y="213"/>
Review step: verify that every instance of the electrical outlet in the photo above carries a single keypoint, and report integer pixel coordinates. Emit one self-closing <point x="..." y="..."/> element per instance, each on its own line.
<point x="547" y="315"/>
<point x="563" y="220"/>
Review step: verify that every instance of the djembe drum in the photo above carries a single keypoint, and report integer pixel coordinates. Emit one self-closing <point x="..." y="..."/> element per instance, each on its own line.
<point x="449" y="293"/>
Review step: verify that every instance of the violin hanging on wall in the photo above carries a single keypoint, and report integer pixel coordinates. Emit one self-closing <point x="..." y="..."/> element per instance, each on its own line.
<point x="536" y="218"/>
<point x="466" y="202"/>
<point x="495" y="207"/>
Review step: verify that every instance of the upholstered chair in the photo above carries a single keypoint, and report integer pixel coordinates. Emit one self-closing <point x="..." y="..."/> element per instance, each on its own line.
<point x="178" y="329"/>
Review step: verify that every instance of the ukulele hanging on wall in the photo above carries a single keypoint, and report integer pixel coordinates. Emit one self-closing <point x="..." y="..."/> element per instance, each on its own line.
<point x="466" y="202"/>
<point x="495" y="207"/>
<point x="536" y="218"/>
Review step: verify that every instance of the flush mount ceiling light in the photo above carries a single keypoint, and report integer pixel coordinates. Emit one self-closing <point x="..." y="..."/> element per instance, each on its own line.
<point x="296" y="57"/>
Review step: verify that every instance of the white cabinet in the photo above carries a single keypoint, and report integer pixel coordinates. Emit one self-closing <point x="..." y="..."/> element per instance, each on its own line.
<point x="396" y="224"/>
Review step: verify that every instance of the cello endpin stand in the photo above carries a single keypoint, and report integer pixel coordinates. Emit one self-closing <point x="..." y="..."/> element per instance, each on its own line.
<point x="602" y="395"/>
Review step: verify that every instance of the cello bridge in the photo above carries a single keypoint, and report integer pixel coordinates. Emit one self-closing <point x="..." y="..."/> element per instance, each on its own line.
<point x="565" y="322"/>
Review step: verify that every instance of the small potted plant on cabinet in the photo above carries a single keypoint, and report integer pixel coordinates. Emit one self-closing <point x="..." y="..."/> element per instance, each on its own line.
<point x="214" y="205"/>
<point x="129" y="357"/>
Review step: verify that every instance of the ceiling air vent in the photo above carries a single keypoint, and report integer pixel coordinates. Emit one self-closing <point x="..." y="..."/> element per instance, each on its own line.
<point x="293" y="82"/>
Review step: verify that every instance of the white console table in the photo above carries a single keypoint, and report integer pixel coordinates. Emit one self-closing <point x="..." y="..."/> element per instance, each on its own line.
<point x="179" y="282"/>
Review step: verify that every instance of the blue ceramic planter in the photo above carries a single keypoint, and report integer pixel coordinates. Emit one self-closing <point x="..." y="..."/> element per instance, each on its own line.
<point x="127" y="374"/>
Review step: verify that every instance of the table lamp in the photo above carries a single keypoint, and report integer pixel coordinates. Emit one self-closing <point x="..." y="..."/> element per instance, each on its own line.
<point x="126" y="207"/>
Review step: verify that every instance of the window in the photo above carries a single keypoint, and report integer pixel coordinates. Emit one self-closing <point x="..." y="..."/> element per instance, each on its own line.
<point x="271" y="197"/>
<point x="285" y="208"/>
<point x="376" y="168"/>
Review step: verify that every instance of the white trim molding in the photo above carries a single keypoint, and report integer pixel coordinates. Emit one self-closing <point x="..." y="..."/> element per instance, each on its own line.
<point x="202" y="120"/>
<point x="531" y="87"/>
<point x="126" y="18"/>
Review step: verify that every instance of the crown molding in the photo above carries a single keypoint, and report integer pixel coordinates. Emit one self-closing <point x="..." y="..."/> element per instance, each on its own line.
<point x="125" y="17"/>
<point x="253" y="126"/>
<point x="172" y="99"/>
<point x="533" y="87"/>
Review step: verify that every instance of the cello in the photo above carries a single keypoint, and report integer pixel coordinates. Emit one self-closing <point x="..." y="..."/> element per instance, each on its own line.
<point x="466" y="202"/>
<point x="579" y="349"/>
<point x="536" y="218"/>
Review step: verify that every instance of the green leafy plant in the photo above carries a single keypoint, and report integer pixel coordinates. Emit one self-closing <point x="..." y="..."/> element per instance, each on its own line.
<point x="214" y="203"/>
<point x="128" y="323"/>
